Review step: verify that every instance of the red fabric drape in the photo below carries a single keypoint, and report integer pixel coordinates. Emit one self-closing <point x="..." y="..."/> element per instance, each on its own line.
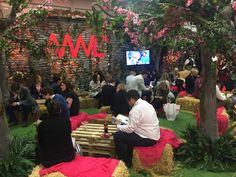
<point x="84" y="167"/>
<point x="84" y="117"/>
<point x="222" y="120"/>
<point x="152" y="154"/>
<point x="182" y="93"/>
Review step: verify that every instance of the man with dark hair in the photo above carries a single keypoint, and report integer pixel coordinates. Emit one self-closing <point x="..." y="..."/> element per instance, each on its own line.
<point x="55" y="84"/>
<point x="141" y="130"/>
<point x="54" y="138"/>
<point x="48" y="95"/>
<point x="20" y="100"/>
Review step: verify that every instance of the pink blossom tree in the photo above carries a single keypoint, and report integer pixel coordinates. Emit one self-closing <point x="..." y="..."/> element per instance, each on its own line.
<point x="208" y="25"/>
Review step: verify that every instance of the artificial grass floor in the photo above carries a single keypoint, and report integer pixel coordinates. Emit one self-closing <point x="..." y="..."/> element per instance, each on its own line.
<point x="178" y="126"/>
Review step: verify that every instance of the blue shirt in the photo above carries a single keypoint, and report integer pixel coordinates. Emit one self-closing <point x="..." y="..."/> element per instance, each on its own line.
<point x="63" y="104"/>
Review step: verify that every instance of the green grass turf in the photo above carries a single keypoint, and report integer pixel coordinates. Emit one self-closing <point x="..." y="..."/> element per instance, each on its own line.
<point x="178" y="126"/>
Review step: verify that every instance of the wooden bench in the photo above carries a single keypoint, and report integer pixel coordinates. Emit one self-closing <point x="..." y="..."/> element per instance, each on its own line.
<point x="89" y="137"/>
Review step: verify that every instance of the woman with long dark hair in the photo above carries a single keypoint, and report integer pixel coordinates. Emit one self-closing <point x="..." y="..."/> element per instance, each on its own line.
<point x="71" y="97"/>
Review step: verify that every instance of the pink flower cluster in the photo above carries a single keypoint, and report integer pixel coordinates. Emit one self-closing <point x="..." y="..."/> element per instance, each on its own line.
<point x="120" y="10"/>
<point x="234" y="5"/>
<point x="161" y="33"/>
<point x="189" y="3"/>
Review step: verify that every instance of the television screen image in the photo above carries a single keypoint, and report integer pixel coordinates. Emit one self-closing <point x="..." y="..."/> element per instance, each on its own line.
<point x="137" y="57"/>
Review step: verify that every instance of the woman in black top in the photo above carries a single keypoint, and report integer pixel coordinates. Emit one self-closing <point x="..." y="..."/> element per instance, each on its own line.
<point x="37" y="87"/>
<point x="119" y="103"/>
<point x="54" y="138"/>
<point x="71" y="98"/>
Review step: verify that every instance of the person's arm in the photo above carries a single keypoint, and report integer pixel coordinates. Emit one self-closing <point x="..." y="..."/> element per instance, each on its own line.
<point x="69" y="101"/>
<point x="219" y="94"/>
<point x="142" y="85"/>
<point x="134" y="119"/>
<point x="25" y="97"/>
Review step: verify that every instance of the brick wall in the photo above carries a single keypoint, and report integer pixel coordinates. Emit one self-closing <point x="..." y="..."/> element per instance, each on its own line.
<point x="82" y="67"/>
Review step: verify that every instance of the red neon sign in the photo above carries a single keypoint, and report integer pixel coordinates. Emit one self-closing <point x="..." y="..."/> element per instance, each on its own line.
<point x="91" y="48"/>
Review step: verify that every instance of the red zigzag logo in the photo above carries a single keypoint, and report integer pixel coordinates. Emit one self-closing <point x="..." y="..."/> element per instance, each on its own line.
<point x="91" y="48"/>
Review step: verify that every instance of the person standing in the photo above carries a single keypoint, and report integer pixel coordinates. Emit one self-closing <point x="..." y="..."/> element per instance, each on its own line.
<point x="142" y="129"/>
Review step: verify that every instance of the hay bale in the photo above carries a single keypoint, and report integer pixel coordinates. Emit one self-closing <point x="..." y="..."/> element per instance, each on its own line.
<point x="105" y="109"/>
<point x="88" y="102"/>
<point x="189" y="104"/>
<point x="35" y="173"/>
<point x="165" y="165"/>
<point x="120" y="171"/>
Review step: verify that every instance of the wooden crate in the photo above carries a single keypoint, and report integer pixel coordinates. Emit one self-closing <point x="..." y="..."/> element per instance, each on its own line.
<point x="89" y="137"/>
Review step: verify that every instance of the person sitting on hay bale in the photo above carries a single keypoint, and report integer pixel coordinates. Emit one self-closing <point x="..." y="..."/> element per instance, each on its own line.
<point x="142" y="129"/>
<point x="71" y="97"/>
<point x="48" y="95"/>
<point x="119" y="104"/>
<point x="54" y="143"/>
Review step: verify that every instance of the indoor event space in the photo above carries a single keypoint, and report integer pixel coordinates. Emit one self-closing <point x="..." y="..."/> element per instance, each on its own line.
<point x="117" y="88"/>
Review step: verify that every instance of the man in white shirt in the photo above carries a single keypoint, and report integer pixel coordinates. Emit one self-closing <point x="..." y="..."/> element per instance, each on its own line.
<point x="137" y="83"/>
<point x="129" y="79"/>
<point x="141" y="130"/>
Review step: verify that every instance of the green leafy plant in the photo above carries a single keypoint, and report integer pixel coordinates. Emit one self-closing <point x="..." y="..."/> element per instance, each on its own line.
<point x="19" y="162"/>
<point x="199" y="151"/>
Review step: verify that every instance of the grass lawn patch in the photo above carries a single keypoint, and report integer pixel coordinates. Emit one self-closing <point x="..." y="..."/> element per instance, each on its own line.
<point x="178" y="125"/>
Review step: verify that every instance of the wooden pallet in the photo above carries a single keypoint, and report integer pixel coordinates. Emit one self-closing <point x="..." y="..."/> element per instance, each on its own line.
<point x="89" y="137"/>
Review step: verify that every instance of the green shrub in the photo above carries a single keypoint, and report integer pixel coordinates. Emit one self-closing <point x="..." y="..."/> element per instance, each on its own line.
<point x="200" y="152"/>
<point x="19" y="162"/>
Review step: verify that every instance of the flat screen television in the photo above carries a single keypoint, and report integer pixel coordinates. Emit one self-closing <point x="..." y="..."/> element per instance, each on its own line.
<point x="137" y="57"/>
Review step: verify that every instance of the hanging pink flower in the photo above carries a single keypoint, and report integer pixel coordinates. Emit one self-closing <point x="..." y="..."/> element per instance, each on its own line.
<point x="49" y="1"/>
<point x="152" y="22"/>
<point x="189" y="3"/>
<point x="145" y="30"/>
<point x="234" y="5"/>
<point x="161" y="33"/>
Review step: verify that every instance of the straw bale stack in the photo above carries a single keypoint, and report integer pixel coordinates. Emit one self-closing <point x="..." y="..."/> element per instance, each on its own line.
<point x="88" y="102"/>
<point x="189" y="104"/>
<point x="165" y="165"/>
<point x="120" y="171"/>
<point x="105" y="109"/>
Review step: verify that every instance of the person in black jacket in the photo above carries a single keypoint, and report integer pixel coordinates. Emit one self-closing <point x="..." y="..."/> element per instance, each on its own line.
<point x="54" y="143"/>
<point x="119" y="103"/>
<point x="71" y="97"/>
<point x="107" y="92"/>
<point x="190" y="79"/>
<point x="20" y="100"/>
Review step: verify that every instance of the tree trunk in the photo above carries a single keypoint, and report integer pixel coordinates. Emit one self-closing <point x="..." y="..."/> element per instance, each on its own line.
<point x="4" y="132"/>
<point x="208" y="122"/>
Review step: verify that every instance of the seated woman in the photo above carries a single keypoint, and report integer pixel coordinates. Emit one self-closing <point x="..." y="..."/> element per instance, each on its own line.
<point x="37" y="87"/>
<point x="119" y="103"/>
<point x="163" y="95"/>
<point x="71" y="97"/>
<point x="95" y="87"/>
<point x="54" y="138"/>
<point x="190" y="79"/>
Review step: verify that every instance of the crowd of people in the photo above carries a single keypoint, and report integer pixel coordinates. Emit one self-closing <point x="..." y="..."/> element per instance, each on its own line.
<point x="140" y="97"/>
